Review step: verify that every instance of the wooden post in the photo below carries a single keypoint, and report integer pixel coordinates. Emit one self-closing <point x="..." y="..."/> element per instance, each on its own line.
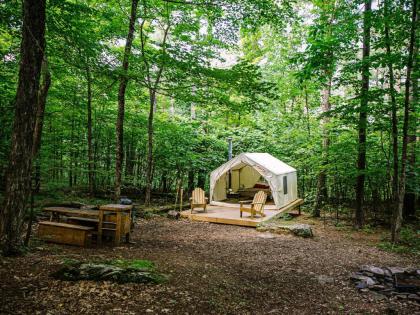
<point x="118" y="229"/>
<point x="181" y="199"/>
<point x="100" y="225"/>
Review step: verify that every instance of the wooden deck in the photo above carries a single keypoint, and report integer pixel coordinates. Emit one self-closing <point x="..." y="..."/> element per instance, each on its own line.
<point x="230" y="215"/>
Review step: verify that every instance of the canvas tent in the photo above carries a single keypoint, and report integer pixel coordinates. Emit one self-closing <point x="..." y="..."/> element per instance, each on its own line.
<point x="247" y="170"/>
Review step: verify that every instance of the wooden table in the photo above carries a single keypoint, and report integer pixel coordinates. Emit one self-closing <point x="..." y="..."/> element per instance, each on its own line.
<point x="56" y="211"/>
<point x="120" y="226"/>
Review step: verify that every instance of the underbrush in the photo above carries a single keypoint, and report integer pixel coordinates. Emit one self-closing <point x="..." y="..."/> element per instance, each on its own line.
<point x="409" y="242"/>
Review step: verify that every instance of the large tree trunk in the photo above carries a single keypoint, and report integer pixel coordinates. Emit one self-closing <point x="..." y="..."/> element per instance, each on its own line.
<point x="149" y="169"/>
<point x="409" y="210"/>
<point x="364" y="98"/>
<point x="121" y="100"/>
<point x="397" y="213"/>
<point x="91" y="178"/>
<point x="322" y="192"/>
<point x="18" y="174"/>
<point x="393" y="106"/>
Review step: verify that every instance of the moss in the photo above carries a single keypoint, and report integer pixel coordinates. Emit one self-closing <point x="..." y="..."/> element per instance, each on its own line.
<point x="121" y="271"/>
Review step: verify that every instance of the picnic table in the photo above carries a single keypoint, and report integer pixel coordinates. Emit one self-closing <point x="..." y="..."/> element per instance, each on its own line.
<point x="55" y="212"/>
<point x="110" y="218"/>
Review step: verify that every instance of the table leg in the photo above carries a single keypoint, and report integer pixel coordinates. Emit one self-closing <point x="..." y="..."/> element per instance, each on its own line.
<point x="118" y="229"/>
<point x="100" y="225"/>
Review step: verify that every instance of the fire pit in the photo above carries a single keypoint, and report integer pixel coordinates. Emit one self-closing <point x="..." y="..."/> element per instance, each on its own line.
<point x="404" y="283"/>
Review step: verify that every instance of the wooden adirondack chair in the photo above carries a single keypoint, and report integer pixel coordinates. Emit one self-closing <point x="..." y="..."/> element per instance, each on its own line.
<point x="198" y="199"/>
<point x="257" y="205"/>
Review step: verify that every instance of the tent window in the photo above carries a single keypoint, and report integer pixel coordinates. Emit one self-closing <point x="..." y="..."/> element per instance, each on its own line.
<point x="285" y="185"/>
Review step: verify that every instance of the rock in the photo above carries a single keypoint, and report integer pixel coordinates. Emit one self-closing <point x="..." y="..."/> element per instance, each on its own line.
<point x="303" y="230"/>
<point x="173" y="215"/>
<point x="358" y="277"/>
<point x="377" y="287"/>
<point x="396" y="270"/>
<point x="414" y="297"/>
<point x="361" y="285"/>
<point x="363" y="281"/>
<point x="374" y="270"/>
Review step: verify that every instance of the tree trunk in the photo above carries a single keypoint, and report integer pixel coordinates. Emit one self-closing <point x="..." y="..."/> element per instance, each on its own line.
<point x="150" y="148"/>
<point x="191" y="180"/>
<point x="18" y="174"/>
<point x="397" y="213"/>
<point x="91" y="178"/>
<point x="42" y="100"/>
<point x="364" y="99"/>
<point x="393" y="107"/>
<point x="121" y="100"/>
<point x="39" y="122"/>
<point x="201" y="180"/>
<point x="322" y="192"/>
<point x="409" y="210"/>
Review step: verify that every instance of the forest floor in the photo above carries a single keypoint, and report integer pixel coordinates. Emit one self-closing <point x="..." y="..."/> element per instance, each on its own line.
<point x="212" y="269"/>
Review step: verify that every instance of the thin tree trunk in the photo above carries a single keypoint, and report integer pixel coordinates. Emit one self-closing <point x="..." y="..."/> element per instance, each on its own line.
<point x="322" y="192"/>
<point x="18" y="174"/>
<point x="191" y="180"/>
<point x="397" y="213"/>
<point x="393" y="106"/>
<point x="409" y="210"/>
<point x="150" y="149"/>
<point x="39" y="122"/>
<point x="89" y="129"/>
<point x="364" y="99"/>
<point x="152" y="94"/>
<point x="121" y="100"/>
<point x="42" y="100"/>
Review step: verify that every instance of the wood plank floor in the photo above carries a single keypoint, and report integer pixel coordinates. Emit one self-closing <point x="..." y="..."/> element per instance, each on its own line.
<point x="230" y="215"/>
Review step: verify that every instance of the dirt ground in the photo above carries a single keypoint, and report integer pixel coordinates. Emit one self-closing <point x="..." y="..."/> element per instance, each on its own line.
<point x="212" y="269"/>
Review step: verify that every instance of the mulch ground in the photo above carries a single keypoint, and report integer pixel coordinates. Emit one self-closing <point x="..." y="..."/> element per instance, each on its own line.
<point x="212" y="269"/>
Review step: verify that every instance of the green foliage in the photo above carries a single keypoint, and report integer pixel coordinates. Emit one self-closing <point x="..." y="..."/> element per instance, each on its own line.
<point x="250" y="70"/>
<point x="137" y="264"/>
<point x="409" y="242"/>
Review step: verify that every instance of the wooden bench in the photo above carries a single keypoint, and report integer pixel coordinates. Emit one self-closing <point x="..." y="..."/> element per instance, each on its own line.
<point x="64" y="233"/>
<point x="83" y="221"/>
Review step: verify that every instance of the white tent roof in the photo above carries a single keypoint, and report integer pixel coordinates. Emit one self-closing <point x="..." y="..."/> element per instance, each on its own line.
<point x="264" y="160"/>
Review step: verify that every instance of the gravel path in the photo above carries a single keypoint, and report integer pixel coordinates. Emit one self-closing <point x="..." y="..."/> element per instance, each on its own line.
<point x="213" y="269"/>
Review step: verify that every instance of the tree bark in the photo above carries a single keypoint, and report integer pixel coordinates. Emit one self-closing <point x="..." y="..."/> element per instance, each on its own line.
<point x="42" y="101"/>
<point x="18" y="174"/>
<point x="322" y="192"/>
<point x="397" y="213"/>
<point x="409" y="210"/>
<point x="393" y="106"/>
<point x="364" y="99"/>
<point x="39" y="122"/>
<point x="152" y="94"/>
<point x="121" y="100"/>
<point x="149" y="178"/>
<point x="91" y="175"/>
